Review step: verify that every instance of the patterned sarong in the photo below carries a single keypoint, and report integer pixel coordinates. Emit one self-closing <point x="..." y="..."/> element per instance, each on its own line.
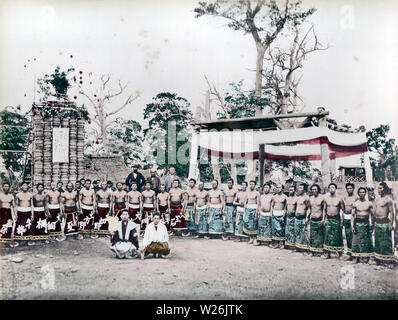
<point x="86" y="219"/>
<point x="118" y="206"/>
<point x="134" y="213"/>
<point x="177" y="219"/>
<point x="333" y="235"/>
<point x="362" y="240"/>
<point x="300" y="232"/>
<point x="317" y="235"/>
<point x="54" y="226"/>
<point x="101" y="225"/>
<point x="190" y="218"/>
<point x="239" y="222"/>
<point x="264" y="227"/>
<point x="39" y="225"/>
<point x="157" y="247"/>
<point x="383" y="242"/>
<point x="6" y="225"/>
<point x="348" y="234"/>
<point x="71" y="227"/>
<point x="147" y="215"/>
<point x="23" y="224"/>
<point x="277" y="226"/>
<point x="201" y="219"/>
<point x="165" y="216"/>
<point x="215" y="221"/>
<point x="250" y="223"/>
<point x="229" y="219"/>
<point x="290" y="241"/>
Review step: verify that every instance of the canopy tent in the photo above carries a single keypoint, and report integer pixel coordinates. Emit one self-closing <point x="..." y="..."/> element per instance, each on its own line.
<point x="313" y="140"/>
<point x="282" y="145"/>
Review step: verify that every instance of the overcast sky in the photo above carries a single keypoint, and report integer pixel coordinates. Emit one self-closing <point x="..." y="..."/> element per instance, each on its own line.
<point x="159" y="46"/>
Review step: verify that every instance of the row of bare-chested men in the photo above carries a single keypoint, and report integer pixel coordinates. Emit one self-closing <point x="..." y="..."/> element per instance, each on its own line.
<point x="313" y="223"/>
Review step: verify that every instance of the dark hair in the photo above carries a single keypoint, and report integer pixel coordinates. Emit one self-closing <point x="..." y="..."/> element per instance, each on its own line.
<point x="156" y="214"/>
<point x="267" y="184"/>
<point x="24" y="182"/>
<point x="4" y="183"/>
<point x="40" y="184"/>
<point x="386" y="188"/>
<point x="245" y="182"/>
<point x="230" y="179"/>
<point x="123" y="210"/>
<point x="118" y="183"/>
<point x="332" y="184"/>
<point x="163" y="184"/>
<point x="254" y="181"/>
<point x="214" y="180"/>
<point x="317" y="186"/>
<point x="361" y="188"/>
<point x="134" y="183"/>
<point x="350" y="184"/>
<point x="95" y="182"/>
<point x="146" y="182"/>
<point x="305" y="186"/>
<point x="109" y="182"/>
<point x="192" y="179"/>
<point x="87" y="180"/>
<point x="293" y="186"/>
<point x="60" y="182"/>
<point x="176" y="179"/>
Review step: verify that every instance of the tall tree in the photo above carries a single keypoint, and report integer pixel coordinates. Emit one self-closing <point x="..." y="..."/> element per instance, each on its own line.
<point x="14" y="137"/>
<point x="168" y="112"/>
<point x="103" y="110"/>
<point x="384" y="147"/>
<point x="264" y="21"/>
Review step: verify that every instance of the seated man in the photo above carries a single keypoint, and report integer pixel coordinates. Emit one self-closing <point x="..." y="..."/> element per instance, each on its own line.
<point x="156" y="238"/>
<point x="125" y="237"/>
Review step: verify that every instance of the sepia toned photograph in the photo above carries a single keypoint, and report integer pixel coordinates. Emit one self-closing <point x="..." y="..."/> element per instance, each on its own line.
<point x="192" y="150"/>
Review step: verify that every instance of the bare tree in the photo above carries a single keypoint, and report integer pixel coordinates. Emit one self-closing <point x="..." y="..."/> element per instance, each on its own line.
<point x="282" y="76"/>
<point x="103" y="112"/>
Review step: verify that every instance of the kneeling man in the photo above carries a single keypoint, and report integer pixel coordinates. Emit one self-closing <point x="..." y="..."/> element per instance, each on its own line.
<point x="156" y="239"/>
<point x="125" y="237"/>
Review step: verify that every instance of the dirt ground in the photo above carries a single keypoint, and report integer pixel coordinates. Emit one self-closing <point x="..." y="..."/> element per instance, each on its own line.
<point x="195" y="269"/>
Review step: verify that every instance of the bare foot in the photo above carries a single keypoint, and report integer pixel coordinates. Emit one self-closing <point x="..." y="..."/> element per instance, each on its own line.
<point x="30" y="243"/>
<point x="325" y="256"/>
<point x="250" y="241"/>
<point x="196" y="237"/>
<point x="61" y="238"/>
<point x="207" y="238"/>
<point x="255" y="243"/>
<point x="142" y="255"/>
<point x="224" y="238"/>
<point x="80" y="237"/>
<point x="94" y="236"/>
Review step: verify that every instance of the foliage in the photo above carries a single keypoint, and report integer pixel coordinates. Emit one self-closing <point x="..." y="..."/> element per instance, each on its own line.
<point x="165" y="108"/>
<point x="385" y="149"/>
<point x="125" y="138"/>
<point x="239" y="103"/>
<point x="14" y="138"/>
<point x="60" y="109"/>
<point x="266" y="22"/>
<point x="57" y="81"/>
<point x="298" y="170"/>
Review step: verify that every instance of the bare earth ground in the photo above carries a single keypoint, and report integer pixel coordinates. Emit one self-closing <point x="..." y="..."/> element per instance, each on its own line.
<point x="195" y="269"/>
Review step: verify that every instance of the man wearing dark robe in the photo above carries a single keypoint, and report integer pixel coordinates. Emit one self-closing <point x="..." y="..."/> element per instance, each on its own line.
<point x="136" y="177"/>
<point x="125" y="238"/>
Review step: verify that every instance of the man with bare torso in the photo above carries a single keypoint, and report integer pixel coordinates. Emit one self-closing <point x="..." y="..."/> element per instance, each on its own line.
<point x="215" y="210"/>
<point x="54" y="221"/>
<point x="202" y="199"/>
<point x="333" y="220"/>
<point x="383" y="226"/>
<point x="103" y="205"/>
<point x="149" y="199"/>
<point x="291" y="204"/>
<point x="118" y="200"/>
<point x="24" y="214"/>
<point x="239" y="202"/>
<point x="7" y="215"/>
<point x="39" y="224"/>
<point x="250" y="219"/>
<point x="134" y="199"/>
<point x="301" y="219"/>
<point x="69" y="208"/>
<point x="348" y="200"/>
<point x="177" y="219"/>
<point x="87" y="202"/>
<point x="264" y="222"/>
<point x="278" y="214"/>
<point x="362" y="210"/>
<point x="163" y="206"/>
<point x="317" y="233"/>
<point x="229" y="213"/>
<point x="190" y="207"/>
